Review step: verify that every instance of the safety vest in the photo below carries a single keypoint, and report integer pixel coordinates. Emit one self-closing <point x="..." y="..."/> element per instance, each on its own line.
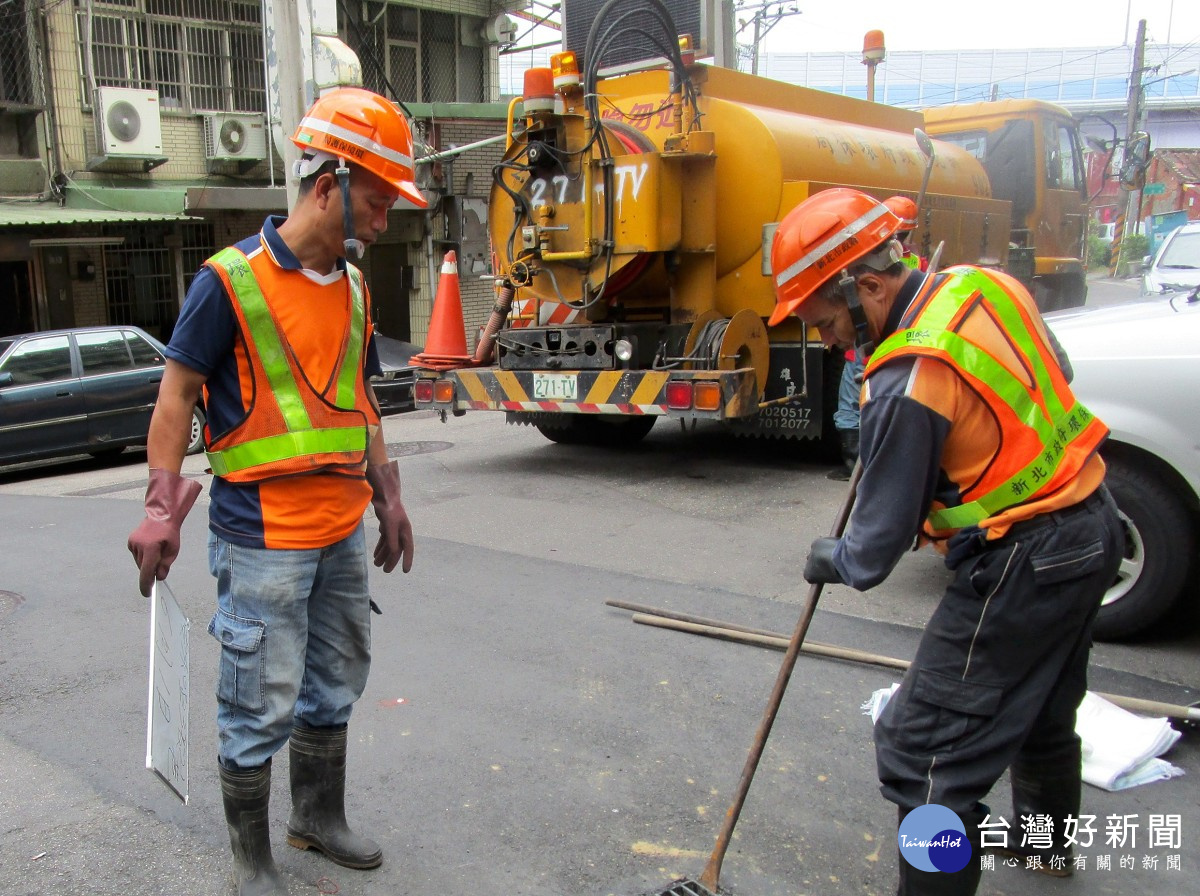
<point x="290" y="427"/>
<point x="1047" y="434"/>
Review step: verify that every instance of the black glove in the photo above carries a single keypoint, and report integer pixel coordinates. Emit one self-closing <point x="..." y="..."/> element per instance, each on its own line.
<point x="820" y="568"/>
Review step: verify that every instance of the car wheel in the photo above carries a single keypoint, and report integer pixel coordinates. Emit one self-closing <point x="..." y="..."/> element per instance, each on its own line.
<point x="196" y="434"/>
<point x="1159" y="550"/>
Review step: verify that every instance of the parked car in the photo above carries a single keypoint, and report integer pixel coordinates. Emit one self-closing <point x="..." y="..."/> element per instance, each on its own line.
<point x="1137" y="367"/>
<point x="1176" y="264"/>
<point x="394" y="389"/>
<point x="83" y="391"/>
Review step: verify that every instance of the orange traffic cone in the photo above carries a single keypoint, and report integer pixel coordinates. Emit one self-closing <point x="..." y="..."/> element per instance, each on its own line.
<point x="446" y="344"/>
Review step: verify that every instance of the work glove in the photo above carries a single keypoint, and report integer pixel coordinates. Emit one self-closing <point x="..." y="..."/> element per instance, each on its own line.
<point x="820" y="569"/>
<point x="155" y="543"/>
<point x="395" y="531"/>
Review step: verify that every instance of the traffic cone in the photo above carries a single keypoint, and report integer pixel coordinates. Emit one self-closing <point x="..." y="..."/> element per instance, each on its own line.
<point x="446" y="344"/>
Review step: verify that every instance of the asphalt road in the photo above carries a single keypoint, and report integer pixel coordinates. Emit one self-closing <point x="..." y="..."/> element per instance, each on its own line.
<point x="517" y="735"/>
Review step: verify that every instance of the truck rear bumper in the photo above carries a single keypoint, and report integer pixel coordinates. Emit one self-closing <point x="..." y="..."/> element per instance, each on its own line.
<point x="707" y="394"/>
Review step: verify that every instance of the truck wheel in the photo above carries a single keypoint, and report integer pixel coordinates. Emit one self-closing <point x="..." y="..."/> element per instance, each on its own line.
<point x="608" y="431"/>
<point x="1160" y="547"/>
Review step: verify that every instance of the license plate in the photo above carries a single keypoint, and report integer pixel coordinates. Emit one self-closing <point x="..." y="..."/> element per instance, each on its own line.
<point x="555" y="387"/>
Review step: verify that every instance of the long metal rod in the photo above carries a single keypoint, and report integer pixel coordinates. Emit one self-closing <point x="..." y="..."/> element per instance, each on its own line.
<point x="732" y="631"/>
<point x="712" y="870"/>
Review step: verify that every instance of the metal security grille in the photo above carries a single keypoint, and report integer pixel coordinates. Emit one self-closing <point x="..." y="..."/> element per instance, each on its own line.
<point x="196" y="246"/>
<point x="418" y="55"/>
<point x="19" y="82"/>
<point x="631" y="47"/>
<point x="140" y="278"/>
<point x="200" y="55"/>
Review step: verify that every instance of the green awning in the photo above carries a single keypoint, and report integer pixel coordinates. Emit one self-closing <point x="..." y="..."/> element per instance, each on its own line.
<point x="46" y="214"/>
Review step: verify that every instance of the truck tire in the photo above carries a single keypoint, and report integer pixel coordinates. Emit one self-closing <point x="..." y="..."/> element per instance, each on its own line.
<point x="1056" y="292"/>
<point x="608" y="431"/>
<point x="1160" y="548"/>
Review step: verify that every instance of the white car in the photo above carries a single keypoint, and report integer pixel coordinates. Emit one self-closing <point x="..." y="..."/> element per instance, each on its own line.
<point x="1137" y="368"/>
<point x="1176" y="264"/>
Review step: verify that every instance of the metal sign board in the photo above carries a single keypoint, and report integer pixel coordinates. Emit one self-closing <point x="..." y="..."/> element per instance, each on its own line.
<point x="167" y="714"/>
<point x="1154" y="189"/>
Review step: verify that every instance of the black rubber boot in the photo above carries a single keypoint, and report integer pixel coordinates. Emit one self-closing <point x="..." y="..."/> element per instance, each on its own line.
<point x="247" y="793"/>
<point x="964" y="882"/>
<point x="914" y="882"/>
<point x="1050" y="788"/>
<point x="849" y="442"/>
<point x="318" y="770"/>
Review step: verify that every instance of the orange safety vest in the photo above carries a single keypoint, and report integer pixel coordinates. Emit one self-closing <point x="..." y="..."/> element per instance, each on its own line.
<point x="290" y="428"/>
<point x="1048" y="436"/>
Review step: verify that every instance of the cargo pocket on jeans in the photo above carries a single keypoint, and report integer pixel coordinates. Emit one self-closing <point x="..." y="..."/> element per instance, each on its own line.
<point x="240" y="680"/>
<point x="1072" y="563"/>
<point x="944" y="710"/>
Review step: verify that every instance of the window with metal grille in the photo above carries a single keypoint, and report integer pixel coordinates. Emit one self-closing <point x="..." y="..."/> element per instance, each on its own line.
<point x="421" y="55"/>
<point x="200" y="55"/>
<point x="18" y="86"/>
<point x="139" y="274"/>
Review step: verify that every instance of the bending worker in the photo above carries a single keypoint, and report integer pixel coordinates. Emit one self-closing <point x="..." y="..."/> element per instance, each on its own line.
<point x="972" y="439"/>
<point x="276" y="330"/>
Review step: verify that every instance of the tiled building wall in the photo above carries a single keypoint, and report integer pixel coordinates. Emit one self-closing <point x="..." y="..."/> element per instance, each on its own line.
<point x="470" y="174"/>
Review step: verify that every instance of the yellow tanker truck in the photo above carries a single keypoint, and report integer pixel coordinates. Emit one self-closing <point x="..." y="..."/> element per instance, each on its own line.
<point x="630" y="222"/>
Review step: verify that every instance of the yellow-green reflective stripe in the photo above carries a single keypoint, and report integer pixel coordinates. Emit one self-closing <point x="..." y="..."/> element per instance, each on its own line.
<point x="962" y="286"/>
<point x="265" y="336"/>
<point x="287" y="445"/>
<point x="1021" y="486"/>
<point x="1055" y="426"/>
<point x="348" y="375"/>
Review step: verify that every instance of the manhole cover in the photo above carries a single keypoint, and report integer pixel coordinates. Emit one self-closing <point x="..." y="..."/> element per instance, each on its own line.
<point x="9" y="601"/>
<point x="407" y="449"/>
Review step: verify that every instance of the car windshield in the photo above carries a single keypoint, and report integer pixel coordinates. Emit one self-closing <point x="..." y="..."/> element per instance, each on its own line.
<point x="5" y="345"/>
<point x="1183" y="252"/>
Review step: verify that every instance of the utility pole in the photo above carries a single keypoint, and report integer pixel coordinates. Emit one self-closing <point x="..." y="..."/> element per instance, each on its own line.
<point x="1128" y="220"/>
<point x="764" y="16"/>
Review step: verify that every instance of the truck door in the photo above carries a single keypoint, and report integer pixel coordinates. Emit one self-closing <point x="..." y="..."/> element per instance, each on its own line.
<point x="1064" y="218"/>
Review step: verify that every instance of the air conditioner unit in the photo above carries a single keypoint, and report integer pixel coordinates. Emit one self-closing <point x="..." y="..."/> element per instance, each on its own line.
<point x="239" y="138"/>
<point x="127" y="123"/>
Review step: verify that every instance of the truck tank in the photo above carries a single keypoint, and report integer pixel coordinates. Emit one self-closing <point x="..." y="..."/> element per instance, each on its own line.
<point x="772" y="145"/>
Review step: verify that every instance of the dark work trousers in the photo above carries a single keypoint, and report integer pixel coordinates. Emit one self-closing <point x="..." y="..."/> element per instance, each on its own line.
<point x="1002" y="666"/>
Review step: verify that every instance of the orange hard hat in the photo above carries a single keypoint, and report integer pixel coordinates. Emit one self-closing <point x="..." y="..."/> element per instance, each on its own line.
<point x="904" y="209"/>
<point x="820" y="238"/>
<point x="364" y="128"/>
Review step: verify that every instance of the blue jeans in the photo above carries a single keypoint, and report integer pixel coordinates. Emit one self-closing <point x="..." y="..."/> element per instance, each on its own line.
<point x="295" y="634"/>
<point x="849" y="389"/>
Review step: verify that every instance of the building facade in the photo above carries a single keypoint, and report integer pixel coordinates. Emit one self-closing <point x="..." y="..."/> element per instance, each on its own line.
<point x="134" y="143"/>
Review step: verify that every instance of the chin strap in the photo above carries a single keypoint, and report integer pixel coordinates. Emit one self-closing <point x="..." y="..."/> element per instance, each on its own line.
<point x="848" y="287"/>
<point x="354" y="247"/>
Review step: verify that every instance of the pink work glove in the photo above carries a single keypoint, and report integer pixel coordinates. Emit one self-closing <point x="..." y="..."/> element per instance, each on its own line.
<point x="155" y="543"/>
<point x="395" y="531"/>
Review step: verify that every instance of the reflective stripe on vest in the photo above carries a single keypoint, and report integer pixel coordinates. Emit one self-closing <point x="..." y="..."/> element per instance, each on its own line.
<point x="301" y="437"/>
<point x="1055" y="426"/>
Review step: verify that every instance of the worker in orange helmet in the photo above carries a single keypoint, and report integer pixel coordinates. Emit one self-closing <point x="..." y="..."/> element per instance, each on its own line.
<point x="906" y="210"/>
<point x="276" y="331"/>
<point x="972" y="439"/>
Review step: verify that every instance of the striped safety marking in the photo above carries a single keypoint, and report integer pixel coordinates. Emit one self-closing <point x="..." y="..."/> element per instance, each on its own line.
<point x="548" y="313"/>
<point x="501" y="390"/>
